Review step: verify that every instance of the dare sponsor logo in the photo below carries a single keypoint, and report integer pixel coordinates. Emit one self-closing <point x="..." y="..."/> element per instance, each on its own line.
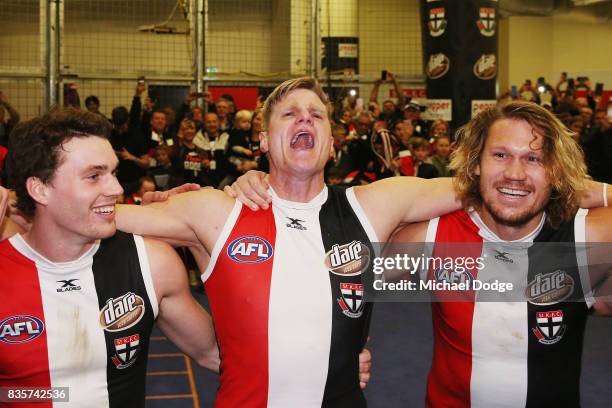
<point x="348" y="259"/>
<point x="437" y="66"/>
<point x="549" y="288"/>
<point x="249" y="249"/>
<point x="486" y="67"/>
<point x="122" y="313"/>
<point x="20" y="329"/>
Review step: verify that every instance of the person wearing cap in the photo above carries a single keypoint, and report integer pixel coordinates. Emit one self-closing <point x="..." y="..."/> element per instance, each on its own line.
<point x="412" y="112"/>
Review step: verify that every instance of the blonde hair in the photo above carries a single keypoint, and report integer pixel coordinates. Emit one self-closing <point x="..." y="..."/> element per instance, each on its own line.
<point x="243" y="114"/>
<point x="283" y="89"/>
<point x="563" y="159"/>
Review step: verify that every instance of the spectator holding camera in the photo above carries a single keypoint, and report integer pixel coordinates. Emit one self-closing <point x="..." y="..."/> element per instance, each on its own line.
<point x="391" y="112"/>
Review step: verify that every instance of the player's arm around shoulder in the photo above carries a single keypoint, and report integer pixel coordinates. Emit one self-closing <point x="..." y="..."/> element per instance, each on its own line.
<point x="181" y="317"/>
<point x="189" y="219"/>
<point x="599" y="231"/>
<point x="389" y="202"/>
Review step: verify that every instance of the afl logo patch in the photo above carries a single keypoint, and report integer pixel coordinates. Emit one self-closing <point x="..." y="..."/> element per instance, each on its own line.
<point x="250" y="249"/>
<point x="122" y="313"/>
<point x="20" y="329"/>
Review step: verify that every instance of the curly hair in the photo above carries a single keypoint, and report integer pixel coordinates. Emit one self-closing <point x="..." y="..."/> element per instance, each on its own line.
<point x="35" y="147"/>
<point x="563" y="158"/>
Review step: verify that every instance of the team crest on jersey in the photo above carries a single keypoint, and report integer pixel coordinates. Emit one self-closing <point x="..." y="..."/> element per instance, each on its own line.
<point x="550" y="327"/>
<point x="486" y="23"/>
<point x="122" y="313"/>
<point x="126" y="351"/>
<point x="20" y="329"/>
<point x="444" y="275"/>
<point x="549" y="288"/>
<point x="348" y="260"/>
<point x="351" y="301"/>
<point x="250" y="249"/>
<point x="437" y="23"/>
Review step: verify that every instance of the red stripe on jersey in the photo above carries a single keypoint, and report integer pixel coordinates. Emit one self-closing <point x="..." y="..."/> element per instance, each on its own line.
<point x="24" y="358"/>
<point x="239" y="292"/>
<point x="448" y="384"/>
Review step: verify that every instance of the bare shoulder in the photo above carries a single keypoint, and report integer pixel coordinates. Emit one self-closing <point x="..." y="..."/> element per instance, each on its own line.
<point x="599" y="225"/>
<point x="167" y="270"/>
<point x="206" y="211"/>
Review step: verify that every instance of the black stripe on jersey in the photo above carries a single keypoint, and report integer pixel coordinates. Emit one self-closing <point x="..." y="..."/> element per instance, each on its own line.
<point x="116" y="270"/>
<point x="553" y="364"/>
<point x="340" y="225"/>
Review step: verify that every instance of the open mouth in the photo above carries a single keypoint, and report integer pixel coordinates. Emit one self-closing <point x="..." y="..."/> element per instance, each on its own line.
<point x="302" y="140"/>
<point x="513" y="192"/>
<point x="105" y="210"/>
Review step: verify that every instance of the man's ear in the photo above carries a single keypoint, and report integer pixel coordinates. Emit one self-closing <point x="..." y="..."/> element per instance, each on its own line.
<point x="38" y="190"/>
<point x="263" y="142"/>
<point x="477" y="170"/>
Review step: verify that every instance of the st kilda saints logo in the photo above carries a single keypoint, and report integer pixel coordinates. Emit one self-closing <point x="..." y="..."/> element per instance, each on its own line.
<point x="549" y="288"/>
<point x="351" y="301"/>
<point x="486" y="23"/>
<point x="122" y="313"/>
<point x="437" y="23"/>
<point x="126" y="351"/>
<point x="549" y="327"/>
<point x="348" y="259"/>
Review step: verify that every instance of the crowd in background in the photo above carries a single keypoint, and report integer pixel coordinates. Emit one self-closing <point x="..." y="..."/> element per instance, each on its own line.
<point x="211" y="142"/>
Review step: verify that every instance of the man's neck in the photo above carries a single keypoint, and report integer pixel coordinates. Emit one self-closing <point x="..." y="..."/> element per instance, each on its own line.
<point x="291" y="188"/>
<point x="212" y="135"/>
<point x="55" y="245"/>
<point x="508" y="232"/>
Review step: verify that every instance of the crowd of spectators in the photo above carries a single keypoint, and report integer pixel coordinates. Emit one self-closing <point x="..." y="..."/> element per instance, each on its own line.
<point x="211" y="143"/>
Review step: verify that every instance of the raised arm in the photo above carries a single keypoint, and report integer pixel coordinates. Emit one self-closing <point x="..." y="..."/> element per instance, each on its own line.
<point x="180" y="317"/>
<point x="389" y="202"/>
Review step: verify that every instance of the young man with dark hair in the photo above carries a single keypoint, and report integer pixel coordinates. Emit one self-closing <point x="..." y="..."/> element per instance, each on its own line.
<point x="79" y="298"/>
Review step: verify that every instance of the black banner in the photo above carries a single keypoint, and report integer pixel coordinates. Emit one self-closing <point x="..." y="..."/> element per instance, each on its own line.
<point x="460" y="52"/>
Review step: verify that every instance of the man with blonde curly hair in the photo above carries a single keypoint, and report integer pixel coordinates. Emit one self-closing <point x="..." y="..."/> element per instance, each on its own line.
<point x="519" y="176"/>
